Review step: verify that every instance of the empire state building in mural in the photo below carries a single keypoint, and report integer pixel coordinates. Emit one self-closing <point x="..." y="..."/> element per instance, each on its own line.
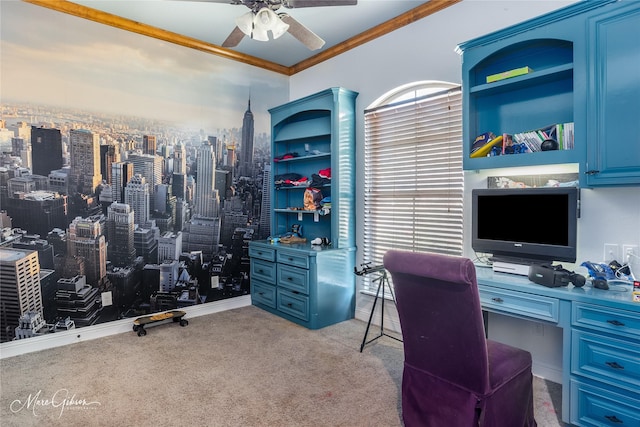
<point x="246" y="153"/>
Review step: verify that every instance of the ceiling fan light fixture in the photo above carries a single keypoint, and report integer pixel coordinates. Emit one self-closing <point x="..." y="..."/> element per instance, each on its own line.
<point x="279" y="28"/>
<point x="267" y="20"/>
<point x="245" y="23"/>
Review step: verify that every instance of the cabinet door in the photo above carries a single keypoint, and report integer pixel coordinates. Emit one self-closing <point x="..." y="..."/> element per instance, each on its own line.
<point x="613" y="125"/>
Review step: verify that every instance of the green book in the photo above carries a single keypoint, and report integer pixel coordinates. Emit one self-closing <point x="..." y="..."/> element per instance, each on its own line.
<point x="508" y="74"/>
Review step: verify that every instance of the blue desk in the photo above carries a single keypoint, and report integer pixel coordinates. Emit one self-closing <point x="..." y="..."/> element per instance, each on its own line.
<point x="600" y="348"/>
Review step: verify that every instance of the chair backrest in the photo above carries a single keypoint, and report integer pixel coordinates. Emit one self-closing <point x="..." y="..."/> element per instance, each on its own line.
<point x="440" y="316"/>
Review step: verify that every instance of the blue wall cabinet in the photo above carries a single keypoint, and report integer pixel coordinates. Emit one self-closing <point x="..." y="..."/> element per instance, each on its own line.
<point x="313" y="146"/>
<point x="613" y="107"/>
<point x="583" y="65"/>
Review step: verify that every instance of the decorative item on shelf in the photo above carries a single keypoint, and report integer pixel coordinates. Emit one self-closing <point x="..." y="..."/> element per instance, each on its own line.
<point x="509" y="74"/>
<point x="312" y="198"/>
<point x="292" y="239"/>
<point x="321" y="241"/>
<point x="486" y="148"/>
<point x="481" y="140"/>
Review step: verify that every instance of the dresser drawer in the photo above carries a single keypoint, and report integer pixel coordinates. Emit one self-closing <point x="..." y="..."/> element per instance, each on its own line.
<point x="293" y="258"/>
<point x="610" y="360"/>
<point x="263" y="270"/>
<point x="267" y="254"/>
<point x="293" y="278"/>
<point x="519" y="303"/>
<point x="263" y="293"/>
<point x="294" y="304"/>
<point x="595" y="406"/>
<point x="621" y="322"/>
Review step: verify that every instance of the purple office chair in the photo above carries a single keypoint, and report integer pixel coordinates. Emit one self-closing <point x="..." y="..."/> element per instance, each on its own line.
<point x="453" y="376"/>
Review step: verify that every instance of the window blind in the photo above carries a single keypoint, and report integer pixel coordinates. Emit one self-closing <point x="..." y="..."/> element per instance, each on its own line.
<point x="413" y="176"/>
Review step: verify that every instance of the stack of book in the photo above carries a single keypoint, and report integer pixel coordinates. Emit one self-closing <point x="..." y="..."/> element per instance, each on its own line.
<point x="562" y="133"/>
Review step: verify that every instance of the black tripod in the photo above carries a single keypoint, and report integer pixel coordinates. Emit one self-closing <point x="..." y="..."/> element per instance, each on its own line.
<point x="382" y="280"/>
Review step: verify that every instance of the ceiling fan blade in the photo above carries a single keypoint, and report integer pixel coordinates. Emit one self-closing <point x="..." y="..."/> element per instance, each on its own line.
<point x="234" y="38"/>
<point x="293" y="4"/>
<point x="302" y="33"/>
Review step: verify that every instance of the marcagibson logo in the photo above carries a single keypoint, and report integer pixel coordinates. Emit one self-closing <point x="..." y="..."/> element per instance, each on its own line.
<point x="61" y="400"/>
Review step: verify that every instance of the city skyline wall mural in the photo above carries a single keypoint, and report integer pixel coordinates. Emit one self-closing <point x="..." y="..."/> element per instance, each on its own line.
<point x="131" y="174"/>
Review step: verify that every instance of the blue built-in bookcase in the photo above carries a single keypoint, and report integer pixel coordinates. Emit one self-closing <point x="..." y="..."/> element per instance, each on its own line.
<point x="313" y="145"/>
<point x="584" y="63"/>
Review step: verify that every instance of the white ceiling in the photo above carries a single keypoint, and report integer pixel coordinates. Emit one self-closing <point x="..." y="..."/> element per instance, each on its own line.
<point x="212" y="21"/>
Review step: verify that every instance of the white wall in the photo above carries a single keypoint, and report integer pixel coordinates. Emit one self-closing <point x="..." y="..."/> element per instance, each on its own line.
<point x="425" y="51"/>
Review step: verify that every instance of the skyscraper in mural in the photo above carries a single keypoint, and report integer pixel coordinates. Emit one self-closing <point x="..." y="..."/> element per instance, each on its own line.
<point x="85" y="239"/>
<point x="149" y="144"/>
<point x="46" y="150"/>
<point x="205" y="182"/>
<point x="20" y="286"/>
<point x="121" y="173"/>
<point x="150" y="167"/>
<point x="179" y="178"/>
<point x="136" y="195"/>
<point x="84" y="153"/>
<point x="265" y="211"/>
<point x="246" y="149"/>
<point x="120" y="227"/>
<point x="109" y="154"/>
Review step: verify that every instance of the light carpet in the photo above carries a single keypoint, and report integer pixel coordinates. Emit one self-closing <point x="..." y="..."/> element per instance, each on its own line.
<point x="241" y="367"/>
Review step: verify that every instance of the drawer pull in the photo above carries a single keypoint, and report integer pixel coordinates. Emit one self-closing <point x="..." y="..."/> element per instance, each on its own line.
<point x="499" y="300"/>
<point x="290" y="305"/>
<point x="614" y="365"/>
<point x="615" y="322"/>
<point x="290" y="279"/>
<point x="614" y="419"/>
<point x="260" y="271"/>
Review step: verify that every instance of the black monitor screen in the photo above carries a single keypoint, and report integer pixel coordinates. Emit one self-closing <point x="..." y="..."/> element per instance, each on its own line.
<point x="530" y="223"/>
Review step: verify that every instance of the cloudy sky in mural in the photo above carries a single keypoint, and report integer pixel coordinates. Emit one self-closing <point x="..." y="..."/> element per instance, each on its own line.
<point x="95" y="67"/>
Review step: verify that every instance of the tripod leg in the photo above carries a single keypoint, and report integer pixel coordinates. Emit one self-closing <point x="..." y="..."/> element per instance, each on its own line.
<point x="373" y="309"/>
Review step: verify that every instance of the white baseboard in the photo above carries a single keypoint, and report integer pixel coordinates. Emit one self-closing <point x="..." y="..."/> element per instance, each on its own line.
<point x="390" y="323"/>
<point x="548" y="372"/>
<point x="43" y="342"/>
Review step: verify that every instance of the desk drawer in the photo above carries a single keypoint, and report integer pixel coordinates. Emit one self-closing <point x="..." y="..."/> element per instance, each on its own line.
<point x="294" y="304"/>
<point x="267" y="254"/>
<point x="263" y="293"/>
<point x="295" y="279"/>
<point x="595" y="406"/>
<point x="519" y="303"/>
<point x="621" y="322"/>
<point x="606" y="359"/>
<point x="293" y="258"/>
<point x="263" y="270"/>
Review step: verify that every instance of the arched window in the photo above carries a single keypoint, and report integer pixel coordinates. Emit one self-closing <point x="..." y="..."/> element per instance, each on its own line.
<point x="413" y="171"/>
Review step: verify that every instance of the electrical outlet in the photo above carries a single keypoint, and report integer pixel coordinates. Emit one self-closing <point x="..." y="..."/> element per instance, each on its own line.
<point x="611" y="252"/>
<point x="627" y="250"/>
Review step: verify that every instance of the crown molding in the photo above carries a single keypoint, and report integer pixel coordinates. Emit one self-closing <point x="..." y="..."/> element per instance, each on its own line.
<point x="116" y="21"/>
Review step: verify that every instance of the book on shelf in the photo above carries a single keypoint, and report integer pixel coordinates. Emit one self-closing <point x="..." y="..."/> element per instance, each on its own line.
<point x="562" y="133"/>
<point x="508" y="74"/>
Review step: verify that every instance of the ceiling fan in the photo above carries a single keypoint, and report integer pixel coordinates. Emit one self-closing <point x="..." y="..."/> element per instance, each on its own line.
<point x="264" y="17"/>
